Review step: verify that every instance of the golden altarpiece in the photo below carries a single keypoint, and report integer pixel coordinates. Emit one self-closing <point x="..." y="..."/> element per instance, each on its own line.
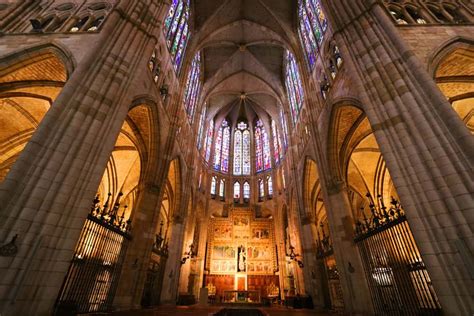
<point x="241" y="257"/>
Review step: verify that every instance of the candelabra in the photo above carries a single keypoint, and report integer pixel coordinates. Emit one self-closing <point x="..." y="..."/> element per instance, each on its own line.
<point x="188" y="255"/>
<point x="294" y="256"/>
<point x="160" y="246"/>
<point x="108" y="215"/>
<point x="381" y="216"/>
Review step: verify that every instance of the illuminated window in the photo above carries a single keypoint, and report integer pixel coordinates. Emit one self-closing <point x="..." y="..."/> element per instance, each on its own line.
<point x="262" y="148"/>
<point x="294" y="87"/>
<point x="270" y="185"/>
<point x="242" y="150"/>
<point x="213" y="185"/>
<point x="193" y="87"/>
<point x="236" y="190"/>
<point x="208" y="141"/>
<point x="261" y="188"/>
<point x="276" y="143"/>
<point x="283" y="178"/>
<point x="312" y="25"/>
<point x="176" y="30"/>
<point x="285" y="130"/>
<point x="221" y="153"/>
<point x="202" y="122"/>
<point x="222" y="188"/>
<point x="246" y="190"/>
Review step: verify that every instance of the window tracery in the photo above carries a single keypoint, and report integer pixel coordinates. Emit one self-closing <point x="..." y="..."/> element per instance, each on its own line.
<point x="242" y="150"/>
<point x="294" y="86"/>
<point x="176" y="30"/>
<point x="208" y="141"/>
<point x="262" y="148"/>
<point x="221" y="153"/>
<point x="193" y="87"/>
<point x="312" y="25"/>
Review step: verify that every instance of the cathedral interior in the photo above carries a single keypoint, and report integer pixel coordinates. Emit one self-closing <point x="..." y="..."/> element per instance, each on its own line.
<point x="296" y="154"/>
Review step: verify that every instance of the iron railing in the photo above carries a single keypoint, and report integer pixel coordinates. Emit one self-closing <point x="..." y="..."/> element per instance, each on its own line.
<point x="93" y="274"/>
<point x="397" y="277"/>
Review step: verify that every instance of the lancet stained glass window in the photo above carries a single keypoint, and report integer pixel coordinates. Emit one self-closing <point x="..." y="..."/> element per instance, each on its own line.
<point x="221" y="153"/>
<point x="276" y="143"/>
<point x="237" y="190"/>
<point x="242" y="150"/>
<point x="246" y="190"/>
<point x="263" y="159"/>
<point x="285" y="130"/>
<point x="261" y="188"/>
<point x="176" y="30"/>
<point x="270" y="185"/>
<point x="202" y="121"/>
<point x="213" y="185"/>
<point x="208" y="141"/>
<point x="312" y="25"/>
<point x="193" y="87"/>
<point x="293" y="85"/>
<point x="222" y="188"/>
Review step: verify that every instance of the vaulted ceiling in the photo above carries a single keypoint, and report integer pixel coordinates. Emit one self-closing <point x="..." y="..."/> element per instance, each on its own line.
<point x="243" y="44"/>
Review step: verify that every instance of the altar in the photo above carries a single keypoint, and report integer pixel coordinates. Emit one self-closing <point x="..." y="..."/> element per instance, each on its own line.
<point x="241" y="260"/>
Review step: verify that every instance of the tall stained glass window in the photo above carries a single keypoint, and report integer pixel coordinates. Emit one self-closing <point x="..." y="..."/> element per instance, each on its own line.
<point x="208" y="141"/>
<point x="285" y="130"/>
<point x="261" y="188"/>
<point x="242" y="150"/>
<point x="237" y="190"/>
<point x="246" y="190"/>
<point x="221" y="153"/>
<point x="263" y="159"/>
<point x="294" y="87"/>
<point x="193" y="87"/>
<point x="202" y="122"/>
<point x="270" y="185"/>
<point x="176" y="30"/>
<point x="213" y="185"/>
<point x="276" y="142"/>
<point x="222" y="188"/>
<point x="312" y="25"/>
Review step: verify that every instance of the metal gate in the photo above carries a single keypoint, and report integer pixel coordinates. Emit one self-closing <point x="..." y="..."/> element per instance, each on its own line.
<point x="397" y="277"/>
<point x="93" y="275"/>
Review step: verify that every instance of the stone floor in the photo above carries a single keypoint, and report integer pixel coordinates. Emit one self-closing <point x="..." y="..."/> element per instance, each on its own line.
<point x="211" y="310"/>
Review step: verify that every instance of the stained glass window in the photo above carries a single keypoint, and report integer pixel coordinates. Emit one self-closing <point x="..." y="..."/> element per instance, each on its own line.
<point x="193" y="87"/>
<point x="283" y="178"/>
<point x="258" y="147"/>
<point x="176" y="30"/>
<point x="270" y="185"/>
<point x="261" y="188"/>
<point x="246" y="190"/>
<point x="294" y="87"/>
<point x="222" y="188"/>
<point x="202" y="121"/>
<point x="242" y="150"/>
<point x="285" y="130"/>
<point x="237" y="190"/>
<point x="213" y="185"/>
<point x="312" y="25"/>
<point x="208" y="141"/>
<point x="276" y="142"/>
<point x="221" y="152"/>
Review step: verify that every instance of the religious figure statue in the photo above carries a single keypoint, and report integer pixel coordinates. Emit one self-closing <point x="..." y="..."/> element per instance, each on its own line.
<point x="241" y="259"/>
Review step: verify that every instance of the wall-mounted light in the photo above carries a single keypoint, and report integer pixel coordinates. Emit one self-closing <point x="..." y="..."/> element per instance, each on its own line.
<point x="188" y="255"/>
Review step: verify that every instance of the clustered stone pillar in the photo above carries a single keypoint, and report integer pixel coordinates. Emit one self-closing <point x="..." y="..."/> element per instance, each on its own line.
<point x="428" y="149"/>
<point x="47" y="194"/>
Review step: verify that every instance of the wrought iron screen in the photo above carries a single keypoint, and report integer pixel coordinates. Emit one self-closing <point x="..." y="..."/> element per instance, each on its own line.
<point x="93" y="275"/>
<point x="397" y="277"/>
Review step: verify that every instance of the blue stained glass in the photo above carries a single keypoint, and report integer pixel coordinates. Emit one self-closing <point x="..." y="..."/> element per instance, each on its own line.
<point x="208" y="142"/>
<point x="267" y="160"/>
<point x="246" y="190"/>
<point x="270" y="185"/>
<point x="258" y="148"/>
<point x="246" y="166"/>
<point x="242" y="150"/>
<point x="176" y="29"/>
<point x="312" y="26"/>
<point x="294" y="86"/>
<point x="221" y="152"/>
<point x="225" y="150"/>
<point x="238" y="153"/>
<point x="201" y="127"/>
<point x="236" y="190"/>
<point x="213" y="185"/>
<point x="193" y="87"/>
<point x="217" y="152"/>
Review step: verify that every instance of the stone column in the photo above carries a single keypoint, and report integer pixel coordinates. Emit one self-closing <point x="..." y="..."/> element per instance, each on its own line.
<point x="349" y="264"/>
<point x="428" y="149"/>
<point x="47" y="194"/>
<point x="144" y="225"/>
